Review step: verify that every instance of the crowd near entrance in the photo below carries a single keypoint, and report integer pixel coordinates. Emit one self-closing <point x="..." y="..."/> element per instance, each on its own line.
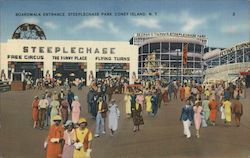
<point x="69" y="71"/>
<point x="30" y="70"/>
<point x="112" y="69"/>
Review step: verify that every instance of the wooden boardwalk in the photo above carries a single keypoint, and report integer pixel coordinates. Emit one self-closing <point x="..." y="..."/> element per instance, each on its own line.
<point x="160" y="137"/>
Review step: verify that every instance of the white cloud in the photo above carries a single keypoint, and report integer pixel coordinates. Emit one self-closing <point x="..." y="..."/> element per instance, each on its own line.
<point x="148" y="23"/>
<point x="90" y="23"/>
<point x="190" y="23"/>
<point x="113" y="28"/>
<point x="187" y="22"/>
<point x="50" y="25"/>
<point x="235" y="29"/>
<point x="31" y="20"/>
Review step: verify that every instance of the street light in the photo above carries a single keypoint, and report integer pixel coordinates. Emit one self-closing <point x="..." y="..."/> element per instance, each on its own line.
<point x="177" y="52"/>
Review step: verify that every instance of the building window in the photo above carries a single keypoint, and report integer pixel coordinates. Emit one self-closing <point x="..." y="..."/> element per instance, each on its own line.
<point x="197" y="65"/>
<point x="155" y="47"/>
<point x="197" y="59"/>
<point x="145" y="49"/>
<point x="224" y="59"/>
<point x="140" y="50"/>
<point x="231" y="58"/>
<point x="191" y="47"/>
<point x="197" y="48"/>
<point x="140" y="64"/>
<point x="190" y="64"/>
<point x="190" y="58"/>
<point x="164" y="56"/>
<point x="165" y="47"/>
<point x="247" y="55"/>
<point x="174" y="46"/>
<point x="173" y="57"/>
<point x="239" y="56"/>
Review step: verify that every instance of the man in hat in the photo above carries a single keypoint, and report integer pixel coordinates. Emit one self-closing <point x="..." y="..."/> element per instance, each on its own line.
<point x="102" y="109"/>
<point x="154" y="103"/>
<point x="61" y="96"/>
<point x="83" y="139"/>
<point x="90" y="99"/>
<point x="237" y="110"/>
<point x="186" y="118"/>
<point x="55" y="138"/>
<point x="70" y="97"/>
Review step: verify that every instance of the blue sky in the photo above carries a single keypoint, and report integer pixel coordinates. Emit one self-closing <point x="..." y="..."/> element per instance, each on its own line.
<point x="224" y="22"/>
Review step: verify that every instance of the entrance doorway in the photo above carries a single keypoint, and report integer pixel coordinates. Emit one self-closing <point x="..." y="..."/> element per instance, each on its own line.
<point x="112" y="69"/>
<point x="72" y="71"/>
<point x="30" y="70"/>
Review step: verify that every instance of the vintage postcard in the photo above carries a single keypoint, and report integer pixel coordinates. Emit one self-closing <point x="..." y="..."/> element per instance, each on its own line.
<point x="124" y="79"/>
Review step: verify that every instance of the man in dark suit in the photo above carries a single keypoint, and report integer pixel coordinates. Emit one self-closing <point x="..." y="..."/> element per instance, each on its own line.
<point x="186" y="118"/>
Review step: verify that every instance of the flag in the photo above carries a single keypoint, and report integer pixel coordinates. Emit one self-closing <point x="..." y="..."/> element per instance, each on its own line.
<point x="184" y="55"/>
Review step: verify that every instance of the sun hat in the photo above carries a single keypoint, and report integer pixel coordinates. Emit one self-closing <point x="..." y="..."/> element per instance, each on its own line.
<point x="82" y="120"/>
<point x="68" y="122"/>
<point x="57" y="118"/>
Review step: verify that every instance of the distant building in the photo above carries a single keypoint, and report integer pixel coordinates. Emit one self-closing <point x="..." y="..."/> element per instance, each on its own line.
<point x="161" y="58"/>
<point x="227" y="64"/>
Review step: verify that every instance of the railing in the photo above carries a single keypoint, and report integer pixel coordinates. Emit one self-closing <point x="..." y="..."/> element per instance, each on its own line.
<point x="226" y="72"/>
<point x="227" y="67"/>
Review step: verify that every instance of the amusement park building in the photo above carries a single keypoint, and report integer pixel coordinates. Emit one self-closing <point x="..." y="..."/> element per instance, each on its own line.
<point x="156" y="55"/>
<point x="227" y="64"/>
<point x="65" y="59"/>
<point x="161" y="57"/>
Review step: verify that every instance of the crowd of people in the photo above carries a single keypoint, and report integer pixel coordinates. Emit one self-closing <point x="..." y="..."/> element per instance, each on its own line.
<point x="61" y="111"/>
<point x="203" y="104"/>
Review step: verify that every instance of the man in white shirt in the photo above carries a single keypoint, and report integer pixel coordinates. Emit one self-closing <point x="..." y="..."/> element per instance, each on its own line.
<point x="42" y="106"/>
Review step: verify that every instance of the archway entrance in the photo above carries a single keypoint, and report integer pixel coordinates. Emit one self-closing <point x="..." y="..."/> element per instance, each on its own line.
<point x="72" y="71"/>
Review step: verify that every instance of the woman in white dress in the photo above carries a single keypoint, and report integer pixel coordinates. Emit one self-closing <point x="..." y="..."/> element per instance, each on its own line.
<point x="54" y="109"/>
<point x="113" y="116"/>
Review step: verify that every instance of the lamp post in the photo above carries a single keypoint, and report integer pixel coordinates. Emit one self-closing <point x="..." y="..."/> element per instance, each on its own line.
<point x="177" y="52"/>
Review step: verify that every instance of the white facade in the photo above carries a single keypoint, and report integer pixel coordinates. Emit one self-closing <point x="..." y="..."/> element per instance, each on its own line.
<point x="49" y="51"/>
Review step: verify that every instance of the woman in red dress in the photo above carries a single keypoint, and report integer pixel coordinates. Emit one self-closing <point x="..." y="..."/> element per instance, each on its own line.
<point x="213" y="110"/>
<point x="35" y="111"/>
<point x="55" y="139"/>
<point x="182" y="93"/>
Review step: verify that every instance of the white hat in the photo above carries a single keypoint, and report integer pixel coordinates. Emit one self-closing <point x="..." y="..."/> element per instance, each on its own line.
<point x="76" y="98"/>
<point x="69" y="122"/>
